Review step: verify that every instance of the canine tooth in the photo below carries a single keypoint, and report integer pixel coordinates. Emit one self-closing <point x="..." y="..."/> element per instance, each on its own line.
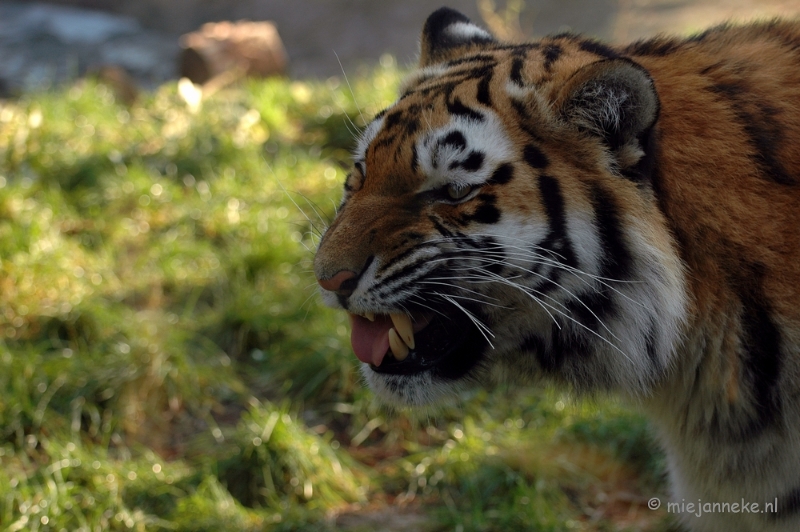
<point x="370" y="316"/>
<point x="398" y="347"/>
<point x="404" y="328"/>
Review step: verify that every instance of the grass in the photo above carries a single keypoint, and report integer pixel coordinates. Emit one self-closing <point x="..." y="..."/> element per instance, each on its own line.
<point x="165" y="364"/>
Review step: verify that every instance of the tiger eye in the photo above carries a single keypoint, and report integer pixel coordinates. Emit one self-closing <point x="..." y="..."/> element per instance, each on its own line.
<point x="458" y="192"/>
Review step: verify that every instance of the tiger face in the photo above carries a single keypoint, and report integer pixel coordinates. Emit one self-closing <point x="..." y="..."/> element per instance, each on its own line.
<point x="499" y="222"/>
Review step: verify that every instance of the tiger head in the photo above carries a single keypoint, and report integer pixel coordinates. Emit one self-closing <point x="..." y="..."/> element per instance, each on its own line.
<point x="500" y="222"/>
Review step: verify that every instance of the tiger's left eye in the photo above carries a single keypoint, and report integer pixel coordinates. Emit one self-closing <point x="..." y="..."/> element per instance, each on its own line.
<point x="457" y="192"/>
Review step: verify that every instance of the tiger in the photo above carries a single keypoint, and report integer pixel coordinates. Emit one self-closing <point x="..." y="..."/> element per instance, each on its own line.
<point x="616" y="219"/>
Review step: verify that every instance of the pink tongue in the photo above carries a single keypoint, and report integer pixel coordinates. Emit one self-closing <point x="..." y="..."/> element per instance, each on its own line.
<point x="370" y="339"/>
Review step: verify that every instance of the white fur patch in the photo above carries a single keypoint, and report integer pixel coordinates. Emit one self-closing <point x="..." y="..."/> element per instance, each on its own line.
<point x="487" y="137"/>
<point x="367" y="136"/>
<point x="466" y="32"/>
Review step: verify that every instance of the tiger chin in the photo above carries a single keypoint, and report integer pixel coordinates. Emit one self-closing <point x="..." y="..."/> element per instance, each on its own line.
<point x="609" y="218"/>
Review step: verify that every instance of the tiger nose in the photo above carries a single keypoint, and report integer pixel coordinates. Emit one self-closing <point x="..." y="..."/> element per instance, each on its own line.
<point x="343" y="283"/>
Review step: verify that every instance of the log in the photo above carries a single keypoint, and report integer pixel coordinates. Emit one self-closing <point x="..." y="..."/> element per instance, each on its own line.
<point x="252" y="48"/>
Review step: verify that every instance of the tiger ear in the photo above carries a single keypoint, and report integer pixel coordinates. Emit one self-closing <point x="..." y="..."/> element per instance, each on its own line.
<point x="615" y="99"/>
<point x="448" y="34"/>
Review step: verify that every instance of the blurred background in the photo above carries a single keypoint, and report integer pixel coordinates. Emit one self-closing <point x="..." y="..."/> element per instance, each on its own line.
<point x="41" y="42"/>
<point x="165" y="363"/>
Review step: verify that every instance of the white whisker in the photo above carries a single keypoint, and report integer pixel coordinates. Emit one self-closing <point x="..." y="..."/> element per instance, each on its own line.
<point x="350" y="88"/>
<point x="482" y="328"/>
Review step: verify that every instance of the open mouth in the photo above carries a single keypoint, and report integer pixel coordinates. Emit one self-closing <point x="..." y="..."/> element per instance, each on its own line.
<point x="401" y="344"/>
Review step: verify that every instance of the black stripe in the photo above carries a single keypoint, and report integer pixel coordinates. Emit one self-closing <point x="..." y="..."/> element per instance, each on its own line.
<point x="700" y="37"/>
<point x="535" y="157"/>
<point x="765" y="133"/>
<point x="414" y="158"/>
<point x="456" y="107"/>
<point x="465" y="74"/>
<point x="566" y="36"/>
<point x="455" y="139"/>
<point x="616" y="262"/>
<point x="762" y="364"/>
<point x="516" y="71"/>
<point x="407" y="271"/>
<point x="550" y="358"/>
<point x="485" y="213"/>
<point x="524" y="119"/>
<point x="517" y="49"/>
<point x="658" y="47"/>
<point x="545" y="357"/>
<point x="552" y="52"/>
<point x="760" y="351"/>
<point x="592" y="309"/>
<point x="557" y="240"/>
<point x="502" y="175"/>
<point x="498" y="256"/>
<point x="788" y="505"/>
<point x="484" y="96"/>
<point x="481" y="58"/>
<point x="598" y="48"/>
<point x="553" y="201"/>
<point x="392" y="119"/>
<point x="473" y="162"/>
<point x="713" y="67"/>
<point x="566" y="349"/>
<point x="445" y="232"/>
<point x="402" y="255"/>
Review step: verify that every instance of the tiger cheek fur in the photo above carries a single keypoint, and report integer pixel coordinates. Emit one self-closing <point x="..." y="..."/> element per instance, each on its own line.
<point x="609" y="218"/>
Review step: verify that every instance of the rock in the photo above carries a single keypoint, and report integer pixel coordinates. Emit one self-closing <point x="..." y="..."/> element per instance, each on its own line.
<point x="43" y="45"/>
<point x="245" y="48"/>
<point x="70" y="25"/>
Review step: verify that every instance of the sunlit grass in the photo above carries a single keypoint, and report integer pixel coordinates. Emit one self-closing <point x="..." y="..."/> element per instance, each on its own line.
<point x="165" y="364"/>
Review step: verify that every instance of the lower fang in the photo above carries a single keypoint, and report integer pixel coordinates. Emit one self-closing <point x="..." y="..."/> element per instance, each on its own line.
<point x="398" y="347"/>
